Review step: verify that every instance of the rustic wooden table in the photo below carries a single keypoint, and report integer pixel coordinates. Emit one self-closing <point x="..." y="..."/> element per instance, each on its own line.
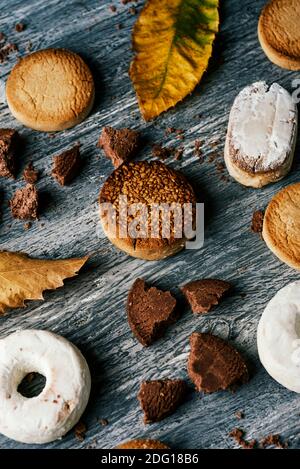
<point x="89" y="310"/>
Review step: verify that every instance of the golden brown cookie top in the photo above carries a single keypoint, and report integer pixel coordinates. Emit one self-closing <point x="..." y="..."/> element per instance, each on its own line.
<point x="50" y="89"/>
<point x="142" y="444"/>
<point x="281" y="229"/>
<point x="279" y="24"/>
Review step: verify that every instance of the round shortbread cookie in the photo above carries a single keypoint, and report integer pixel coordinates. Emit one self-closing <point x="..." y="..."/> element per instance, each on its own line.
<point x="278" y="337"/>
<point x="281" y="228"/>
<point x="50" y="90"/>
<point x="261" y="136"/>
<point x="279" y="33"/>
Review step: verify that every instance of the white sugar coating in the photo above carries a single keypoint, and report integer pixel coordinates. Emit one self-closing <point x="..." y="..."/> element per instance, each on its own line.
<point x="278" y="337"/>
<point x="262" y="126"/>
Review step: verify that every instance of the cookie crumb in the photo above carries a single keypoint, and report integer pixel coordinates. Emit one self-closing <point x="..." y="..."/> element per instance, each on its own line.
<point x="2" y="36"/>
<point x="119" y="26"/>
<point x="163" y="153"/>
<point x="80" y="431"/>
<point x="198" y="151"/>
<point x="133" y="10"/>
<point x="238" y="435"/>
<point x="113" y="8"/>
<point x="6" y="50"/>
<point x="66" y="165"/>
<point x="179" y="154"/>
<point x="30" y="175"/>
<point x="257" y="221"/>
<point x="27" y="226"/>
<point x="273" y="440"/>
<point x="24" y="204"/>
<point x="20" y="27"/>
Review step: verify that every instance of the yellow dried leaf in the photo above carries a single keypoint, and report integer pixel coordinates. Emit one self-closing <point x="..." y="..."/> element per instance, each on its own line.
<point x="23" y="278"/>
<point x="173" y="42"/>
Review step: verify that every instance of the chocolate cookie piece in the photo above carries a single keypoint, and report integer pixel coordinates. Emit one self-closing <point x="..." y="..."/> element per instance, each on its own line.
<point x="66" y="165"/>
<point x="142" y="444"/>
<point x="24" y="204"/>
<point x="161" y="398"/>
<point x="257" y="221"/>
<point x="30" y="174"/>
<point x="214" y="364"/>
<point x="119" y="145"/>
<point x="149" y="312"/>
<point x="202" y="295"/>
<point x="9" y="139"/>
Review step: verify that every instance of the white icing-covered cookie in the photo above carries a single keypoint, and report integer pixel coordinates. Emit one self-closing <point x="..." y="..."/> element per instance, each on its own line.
<point x="278" y="337"/>
<point x="59" y="406"/>
<point x="261" y="135"/>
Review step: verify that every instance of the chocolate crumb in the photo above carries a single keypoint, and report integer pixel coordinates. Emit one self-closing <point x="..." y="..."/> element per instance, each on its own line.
<point x="103" y="422"/>
<point x="24" y="203"/>
<point x="170" y="130"/>
<point x="119" y="26"/>
<point x="273" y="440"/>
<point x="179" y="154"/>
<point x="238" y="435"/>
<point x="257" y="221"/>
<point x="119" y="145"/>
<point x="240" y="415"/>
<point x="158" y="151"/>
<point x="27" y="226"/>
<point x="220" y="166"/>
<point x="198" y="151"/>
<point x="113" y="8"/>
<point x="66" y="165"/>
<point x="20" y="27"/>
<point x="9" y="145"/>
<point x="2" y="36"/>
<point x="30" y="174"/>
<point x="80" y="431"/>
<point x="6" y="50"/>
<point x="133" y="10"/>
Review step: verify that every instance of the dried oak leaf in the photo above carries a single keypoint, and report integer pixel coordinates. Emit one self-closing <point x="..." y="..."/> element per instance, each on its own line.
<point x="173" y="42"/>
<point x="23" y="278"/>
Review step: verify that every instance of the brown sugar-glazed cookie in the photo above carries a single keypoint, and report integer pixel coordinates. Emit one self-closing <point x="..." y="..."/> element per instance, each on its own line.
<point x="119" y="145"/>
<point x="25" y="203"/>
<point x="202" y="295"/>
<point x="149" y="312"/>
<point x="50" y="90"/>
<point x="152" y="185"/>
<point x="142" y="444"/>
<point x="279" y="33"/>
<point x="9" y="142"/>
<point x="214" y="364"/>
<point x="161" y="398"/>
<point x="281" y="227"/>
<point x="66" y="165"/>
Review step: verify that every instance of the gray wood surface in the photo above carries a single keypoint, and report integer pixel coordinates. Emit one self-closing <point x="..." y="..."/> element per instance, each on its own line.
<point x="89" y="310"/>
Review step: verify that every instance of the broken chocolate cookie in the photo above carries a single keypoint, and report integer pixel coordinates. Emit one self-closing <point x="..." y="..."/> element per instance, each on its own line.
<point x="214" y="364"/>
<point x="161" y="398"/>
<point x="202" y="295"/>
<point x="149" y="312"/>
<point x="119" y="145"/>
<point x="9" y="141"/>
<point x="24" y="204"/>
<point x="66" y="165"/>
<point x="30" y="175"/>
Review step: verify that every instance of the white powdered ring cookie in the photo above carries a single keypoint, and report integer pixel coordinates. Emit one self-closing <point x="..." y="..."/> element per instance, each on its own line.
<point x="52" y="413"/>
<point x="278" y="337"/>
<point x="50" y="90"/>
<point x="261" y="136"/>
<point x="281" y="228"/>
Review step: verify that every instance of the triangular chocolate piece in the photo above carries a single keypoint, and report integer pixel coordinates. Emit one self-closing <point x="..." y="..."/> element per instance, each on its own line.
<point x="149" y="311"/>
<point x="214" y="364"/>
<point x="66" y="165"/>
<point x="119" y="145"/>
<point x="202" y="295"/>
<point x="161" y="398"/>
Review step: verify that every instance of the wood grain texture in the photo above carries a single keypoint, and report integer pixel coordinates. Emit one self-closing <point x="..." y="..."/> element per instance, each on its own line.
<point x="89" y="310"/>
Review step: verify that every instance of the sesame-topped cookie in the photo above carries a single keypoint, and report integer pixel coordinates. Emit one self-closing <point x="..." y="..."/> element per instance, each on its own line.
<point x="50" y="90"/>
<point x="136" y="202"/>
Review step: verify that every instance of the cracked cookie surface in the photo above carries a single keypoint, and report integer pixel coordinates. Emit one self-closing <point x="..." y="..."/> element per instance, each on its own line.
<point x="50" y="90"/>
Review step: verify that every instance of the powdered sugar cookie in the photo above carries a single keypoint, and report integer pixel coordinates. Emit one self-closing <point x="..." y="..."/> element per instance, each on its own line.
<point x="261" y="136"/>
<point x="49" y="90"/>
<point x="279" y="33"/>
<point x="281" y="227"/>
<point x="278" y="337"/>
